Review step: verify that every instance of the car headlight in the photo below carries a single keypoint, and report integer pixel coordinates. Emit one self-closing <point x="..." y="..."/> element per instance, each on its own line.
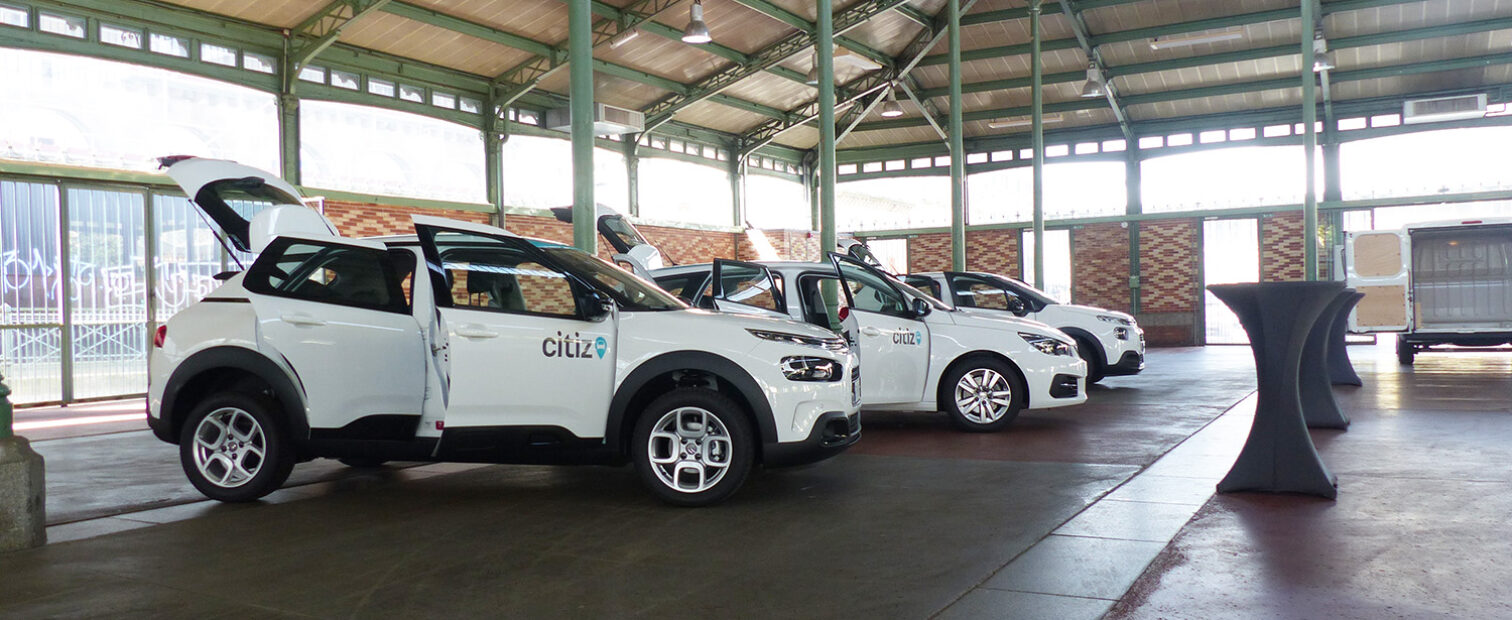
<point x="1108" y="318"/>
<point x="804" y="368"/>
<point x="1121" y="333"/>
<point x="832" y="344"/>
<point x="1048" y="345"/>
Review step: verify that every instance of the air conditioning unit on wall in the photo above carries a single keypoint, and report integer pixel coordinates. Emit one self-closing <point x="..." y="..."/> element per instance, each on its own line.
<point x="607" y="120"/>
<point x="1439" y="109"/>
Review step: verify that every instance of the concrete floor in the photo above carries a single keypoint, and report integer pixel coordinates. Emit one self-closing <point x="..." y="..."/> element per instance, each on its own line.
<point x="1055" y="518"/>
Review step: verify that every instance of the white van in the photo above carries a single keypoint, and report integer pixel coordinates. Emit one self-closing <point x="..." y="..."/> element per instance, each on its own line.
<point x="1440" y="283"/>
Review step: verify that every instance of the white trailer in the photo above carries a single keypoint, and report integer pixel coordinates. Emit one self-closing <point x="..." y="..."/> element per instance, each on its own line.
<point x="1439" y="283"/>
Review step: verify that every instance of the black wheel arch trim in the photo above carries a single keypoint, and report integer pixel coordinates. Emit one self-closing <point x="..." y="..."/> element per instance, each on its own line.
<point x="1082" y="335"/>
<point x="766" y="425"/>
<point x="237" y="358"/>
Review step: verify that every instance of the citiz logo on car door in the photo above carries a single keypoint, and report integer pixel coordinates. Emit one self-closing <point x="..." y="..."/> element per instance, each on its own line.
<point x="574" y="346"/>
<point x="904" y="336"/>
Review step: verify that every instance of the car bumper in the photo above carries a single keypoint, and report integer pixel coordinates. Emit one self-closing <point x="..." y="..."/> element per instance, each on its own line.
<point x="160" y="428"/>
<point x="1129" y="364"/>
<point x="1058" y="384"/>
<point x="832" y="434"/>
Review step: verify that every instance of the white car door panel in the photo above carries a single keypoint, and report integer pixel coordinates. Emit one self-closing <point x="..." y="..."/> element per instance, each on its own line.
<point x="893" y="345"/>
<point x="1377" y="264"/>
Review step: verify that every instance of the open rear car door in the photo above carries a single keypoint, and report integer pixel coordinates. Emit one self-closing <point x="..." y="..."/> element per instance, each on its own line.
<point x="746" y="288"/>
<point x="249" y="206"/>
<point x="1377" y="263"/>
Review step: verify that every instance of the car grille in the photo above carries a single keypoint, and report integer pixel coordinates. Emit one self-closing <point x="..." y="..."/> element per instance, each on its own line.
<point x="856" y="386"/>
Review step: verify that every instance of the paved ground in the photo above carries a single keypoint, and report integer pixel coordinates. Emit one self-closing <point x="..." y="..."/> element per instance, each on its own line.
<point x="1419" y="530"/>
<point x="916" y="520"/>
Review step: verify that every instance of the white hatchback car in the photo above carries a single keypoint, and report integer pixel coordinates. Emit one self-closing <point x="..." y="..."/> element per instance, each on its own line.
<point x="1109" y="341"/>
<point x="918" y="354"/>
<point x="464" y="342"/>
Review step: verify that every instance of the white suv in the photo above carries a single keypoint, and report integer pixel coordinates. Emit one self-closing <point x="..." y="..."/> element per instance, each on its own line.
<point x="503" y="350"/>
<point x="1110" y="341"/>
<point x="918" y="353"/>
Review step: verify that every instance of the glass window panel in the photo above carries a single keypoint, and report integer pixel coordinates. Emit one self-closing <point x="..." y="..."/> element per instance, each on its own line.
<point x="1072" y="189"/>
<point x="941" y="161"/>
<point x="257" y="62"/>
<point x="188" y="255"/>
<point x="1349" y="124"/>
<point x="372" y="150"/>
<point x="1113" y="146"/>
<point x="681" y="191"/>
<point x="107" y="283"/>
<point x="1209" y="137"/>
<point x="872" y="166"/>
<point x="31" y="289"/>
<point x="1151" y="142"/>
<point x="443" y="100"/>
<point x="890" y="203"/>
<point x="382" y="88"/>
<point x="54" y="113"/>
<point x="1386" y="120"/>
<point x="611" y="181"/>
<point x="1276" y="131"/>
<point x="976" y="158"/>
<point x="538" y="172"/>
<point x="1180" y="139"/>
<point x="124" y="37"/>
<point x="1225" y="178"/>
<point x="412" y="93"/>
<point x="1084" y="148"/>
<point x="1242" y="133"/>
<point x="896" y="164"/>
<point x="1002" y="156"/>
<point x="775" y="202"/>
<point x="217" y="55"/>
<point x="1429" y="162"/>
<point x="14" y="16"/>
<point x="1057" y="258"/>
<point x="922" y="162"/>
<point x="168" y="45"/>
<point x="343" y="79"/>
<point x="846" y="169"/>
<point x="65" y="25"/>
<point x="471" y="105"/>
<point x="1057" y="150"/>
<point x="311" y="73"/>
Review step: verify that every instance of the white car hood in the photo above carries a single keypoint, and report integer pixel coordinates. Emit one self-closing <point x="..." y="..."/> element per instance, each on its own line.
<point x="752" y="321"/>
<point x="1093" y="312"/>
<point x="997" y="319"/>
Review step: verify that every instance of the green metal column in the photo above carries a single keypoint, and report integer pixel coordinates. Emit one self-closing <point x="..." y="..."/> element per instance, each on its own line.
<point x="632" y="173"/>
<point x="288" y="137"/>
<point x="1037" y="120"/>
<point x="580" y="59"/>
<point x="957" y="147"/>
<point x="811" y="189"/>
<point x="825" y="28"/>
<point x="1133" y="184"/>
<point x="737" y="191"/>
<point x="1309" y="146"/>
<point x="493" y="159"/>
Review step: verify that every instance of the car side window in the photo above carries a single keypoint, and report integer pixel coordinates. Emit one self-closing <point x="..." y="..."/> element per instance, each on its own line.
<point x="873" y="294"/>
<point x="749" y="286"/>
<point x="929" y="285"/>
<point x="973" y="292"/>
<point x="330" y="273"/>
<point x="506" y="279"/>
<point x="814" y="309"/>
<point x="684" y="286"/>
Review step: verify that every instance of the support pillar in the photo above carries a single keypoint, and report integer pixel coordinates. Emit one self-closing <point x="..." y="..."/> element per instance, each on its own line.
<point x="957" y="148"/>
<point x="1134" y="197"/>
<point x="737" y="191"/>
<point x="1037" y="122"/>
<point x="1309" y="146"/>
<point x="580" y="66"/>
<point x="825" y="31"/>
<point x="23" y="511"/>
<point x="632" y="173"/>
<point x="493" y="159"/>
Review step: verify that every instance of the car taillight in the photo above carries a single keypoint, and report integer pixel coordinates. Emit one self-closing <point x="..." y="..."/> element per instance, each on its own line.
<point x="159" y="336"/>
<point x="844" y="312"/>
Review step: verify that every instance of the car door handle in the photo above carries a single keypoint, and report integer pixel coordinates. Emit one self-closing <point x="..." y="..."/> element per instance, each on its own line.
<point x="302" y="319"/>
<point x="871" y="331"/>
<point x="476" y="331"/>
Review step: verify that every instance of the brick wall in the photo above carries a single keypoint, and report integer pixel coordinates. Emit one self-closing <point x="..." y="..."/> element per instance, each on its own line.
<point x="929" y="252"/>
<point x="368" y="220"/>
<point x="992" y="251"/>
<point x="1100" y="268"/>
<point x="1168" y="265"/>
<point x="1281" y="248"/>
<point x="788" y="244"/>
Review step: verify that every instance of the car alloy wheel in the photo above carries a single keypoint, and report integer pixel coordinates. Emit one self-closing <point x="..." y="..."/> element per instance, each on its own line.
<point x="690" y="449"/>
<point x="983" y="396"/>
<point x="230" y="447"/>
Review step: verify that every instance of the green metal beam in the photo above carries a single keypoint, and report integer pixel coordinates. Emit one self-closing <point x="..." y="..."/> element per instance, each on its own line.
<point x="765" y="7"/>
<point x="317" y="32"/>
<point x="469" y="28"/>
<point x="525" y="76"/>
<point x="851" y="17"/>
<point x="670" y="33"/>
<point x="1096" y="66"/>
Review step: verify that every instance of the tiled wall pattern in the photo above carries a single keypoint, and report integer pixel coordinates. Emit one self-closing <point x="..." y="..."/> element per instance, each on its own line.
<point x="929" y="252"/>
<point x="1100" y="271"/>
<point x="789" y="245"/>
<point x="368" y="220"/>
<point x="993" y="251"/>
<point x="1168" y="264"/>
<point x="1281" y="248"/>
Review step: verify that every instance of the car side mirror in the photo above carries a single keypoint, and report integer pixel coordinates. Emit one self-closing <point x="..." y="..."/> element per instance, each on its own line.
<point x="597" y="306"/>
<point x="921" y="308"/>
<point x="1017" y="307"/>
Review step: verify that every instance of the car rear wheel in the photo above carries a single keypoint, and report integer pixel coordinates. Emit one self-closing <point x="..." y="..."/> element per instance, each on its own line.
<point x="693" y="447"/>
<point x="233" y="448"/>
<point x="983" y="395"/>
<point x="1405" y="352"/>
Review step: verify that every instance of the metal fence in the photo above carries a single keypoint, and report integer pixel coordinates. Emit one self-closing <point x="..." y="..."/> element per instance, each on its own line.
<point x="86" y="273"/>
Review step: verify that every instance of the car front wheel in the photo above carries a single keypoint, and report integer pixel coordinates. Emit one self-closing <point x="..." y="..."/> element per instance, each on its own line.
<point x="693" y="447"/>
<point x="983" y="395"/>
<point x="233" y="449"/>
<point x="1095" y="369"/>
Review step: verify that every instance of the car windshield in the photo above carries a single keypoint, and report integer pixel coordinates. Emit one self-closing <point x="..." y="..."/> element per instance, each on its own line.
<point x="624" y="230"/>
<point x="1027" y="291"/>
<point x="629" y="290"/>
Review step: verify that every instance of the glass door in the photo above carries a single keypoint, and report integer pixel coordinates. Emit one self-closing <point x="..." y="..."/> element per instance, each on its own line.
<point x="1230" y="254"/>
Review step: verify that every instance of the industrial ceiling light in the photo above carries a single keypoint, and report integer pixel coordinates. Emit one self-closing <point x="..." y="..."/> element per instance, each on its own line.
<point x="891" y="108"/>
<point x="1164" y="43"/>
<point x="1323" y="58"/>
<point x="1022" y="121"/>
<point x="1094" y="86"/>
<point x="623" y="37"/>
<point x="697" y="31"/>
